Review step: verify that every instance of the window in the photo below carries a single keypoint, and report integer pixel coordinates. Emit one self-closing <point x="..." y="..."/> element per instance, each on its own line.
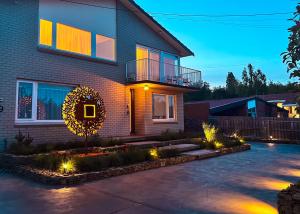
<point x="45" y="32"/>
<point x="105" y="47"/>
<point x="25" y="100"/>
<point x="78" y="41"/>
<point x="163" y="107"/>
<point x="251" y="108"/>
<point x="73" y="40"/>
<point x="38" y="102"/>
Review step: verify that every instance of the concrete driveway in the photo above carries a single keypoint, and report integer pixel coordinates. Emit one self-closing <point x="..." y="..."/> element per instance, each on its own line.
<point x="243" y="183"/>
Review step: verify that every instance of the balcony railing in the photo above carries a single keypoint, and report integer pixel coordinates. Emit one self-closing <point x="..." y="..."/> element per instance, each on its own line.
<point x="156" y="71"/>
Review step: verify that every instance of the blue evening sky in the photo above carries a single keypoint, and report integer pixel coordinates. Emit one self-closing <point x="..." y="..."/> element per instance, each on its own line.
<point x="226" y="44"/>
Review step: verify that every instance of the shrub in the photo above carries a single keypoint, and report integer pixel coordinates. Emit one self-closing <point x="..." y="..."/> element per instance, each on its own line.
<point x="50" y="162"/>
<point x="210" y="132"/>
<point x="117" y="159"/>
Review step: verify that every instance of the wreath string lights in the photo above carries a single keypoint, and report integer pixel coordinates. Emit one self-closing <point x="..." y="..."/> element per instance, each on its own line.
<point x="84" y="111"/>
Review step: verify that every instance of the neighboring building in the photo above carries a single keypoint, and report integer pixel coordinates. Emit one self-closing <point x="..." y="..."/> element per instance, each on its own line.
<point x="246" y="107"/>
<point x="48" y="47"/>
<point x="288" y="101"/>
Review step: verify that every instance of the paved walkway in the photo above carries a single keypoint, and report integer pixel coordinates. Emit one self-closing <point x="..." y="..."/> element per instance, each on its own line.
<point x="242" y="183"/>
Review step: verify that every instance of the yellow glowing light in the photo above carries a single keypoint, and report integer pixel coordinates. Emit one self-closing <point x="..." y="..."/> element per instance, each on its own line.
<point x="289" y="172"/>
<point x="154" y="153"/>
<point x="67" y="167"/>
<point x="86" y="115"/>
<point x="218" y="145"/>
<point x="146" y="88"/>
<point x="266" y="183"/>
<point x="210" y="132"/>
<point x="236" y="203"/>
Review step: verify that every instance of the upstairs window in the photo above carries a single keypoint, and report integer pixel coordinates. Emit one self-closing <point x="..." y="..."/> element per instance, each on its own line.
<point x="45" y="32"/>
<point x="77" y="41"/>
<point x="73" y="40"/>
<point x="105" y="47"/>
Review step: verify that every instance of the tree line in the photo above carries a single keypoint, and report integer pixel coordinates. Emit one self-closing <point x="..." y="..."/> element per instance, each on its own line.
<point x="253" y="82"/>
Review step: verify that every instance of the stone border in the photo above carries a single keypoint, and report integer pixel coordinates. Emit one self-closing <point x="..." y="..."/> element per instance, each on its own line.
<point x="52" y="178"/>
<point x="289" y="200"/>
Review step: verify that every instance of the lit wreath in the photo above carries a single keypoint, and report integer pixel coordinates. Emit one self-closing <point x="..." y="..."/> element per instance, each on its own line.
<point x="83" y="111"/>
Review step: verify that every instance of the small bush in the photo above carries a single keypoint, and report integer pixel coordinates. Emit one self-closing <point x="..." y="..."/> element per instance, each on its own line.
<point x="50" y="162"/>
<point x="87" y="164"/>
<point x="210" y="132"/>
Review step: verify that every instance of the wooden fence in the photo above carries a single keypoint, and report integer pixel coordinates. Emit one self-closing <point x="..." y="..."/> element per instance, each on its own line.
<point x="262" y="127"/>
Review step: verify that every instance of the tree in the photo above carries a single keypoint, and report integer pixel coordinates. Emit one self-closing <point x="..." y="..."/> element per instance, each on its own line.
<point x="292" y="56"/>
<point x="231" y="85"/>
<point x="203" y="93"/>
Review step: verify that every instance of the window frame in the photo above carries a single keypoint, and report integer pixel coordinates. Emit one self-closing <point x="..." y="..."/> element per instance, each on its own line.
<point x="92" y="57"/>
<point x="33" y="120"/>
<point x="168" y="119"/>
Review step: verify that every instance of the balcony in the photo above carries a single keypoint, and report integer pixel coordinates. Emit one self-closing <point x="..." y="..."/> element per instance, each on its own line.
<point x="155" y="71"/>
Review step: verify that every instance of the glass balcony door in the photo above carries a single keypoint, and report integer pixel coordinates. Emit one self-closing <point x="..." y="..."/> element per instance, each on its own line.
<point x="142" y="56"/>
<point x="170" y="68"/>
<point x="154" y="65"/>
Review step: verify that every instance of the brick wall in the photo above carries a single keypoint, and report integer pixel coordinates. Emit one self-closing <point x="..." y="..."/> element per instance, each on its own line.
<point x="144" y="123"/>
<point x="20" y="58"/>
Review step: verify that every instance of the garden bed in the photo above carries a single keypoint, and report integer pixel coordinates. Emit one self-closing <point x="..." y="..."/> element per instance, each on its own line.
<point x="15" y="165"/>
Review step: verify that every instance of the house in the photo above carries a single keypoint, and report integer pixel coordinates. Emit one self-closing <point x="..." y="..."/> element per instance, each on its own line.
<point x="243" y="107"/>
<point x="288" y="101"/>
<point x="48" y="47"/>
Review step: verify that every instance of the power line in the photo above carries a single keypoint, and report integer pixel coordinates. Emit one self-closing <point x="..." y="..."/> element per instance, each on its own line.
<point x="186" y="15"/>
<point x="223" y="15"/>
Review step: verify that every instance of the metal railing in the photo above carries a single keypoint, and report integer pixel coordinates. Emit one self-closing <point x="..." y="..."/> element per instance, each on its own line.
<point x="157" y="71"/>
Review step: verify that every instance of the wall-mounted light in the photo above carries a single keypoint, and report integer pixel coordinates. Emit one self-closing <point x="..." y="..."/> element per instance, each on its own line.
<point x="146" y="88"/>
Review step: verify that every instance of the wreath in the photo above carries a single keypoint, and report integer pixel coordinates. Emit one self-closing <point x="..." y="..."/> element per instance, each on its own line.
<point x="84" y="111"/>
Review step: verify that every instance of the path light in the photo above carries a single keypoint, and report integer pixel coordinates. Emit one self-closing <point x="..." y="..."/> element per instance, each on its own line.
<point x="154" y="153"/>
<point x="67" y="167"/>
<point x="271" y="137"/>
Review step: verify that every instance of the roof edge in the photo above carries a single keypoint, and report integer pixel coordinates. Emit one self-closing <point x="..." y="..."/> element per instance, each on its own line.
<point x="158" y="28"/>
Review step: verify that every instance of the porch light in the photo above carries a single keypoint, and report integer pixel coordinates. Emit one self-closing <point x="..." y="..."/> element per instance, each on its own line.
<point x="146" y="88"/>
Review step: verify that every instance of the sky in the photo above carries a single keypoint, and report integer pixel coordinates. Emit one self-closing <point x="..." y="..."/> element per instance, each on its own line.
<point x="228" y="44"/>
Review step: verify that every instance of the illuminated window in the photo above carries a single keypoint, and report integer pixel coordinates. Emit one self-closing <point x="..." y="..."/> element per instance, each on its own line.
<point x="163" y="107"/>
<point x="73" y="39"/>
<point x="40" y="101"/>
<point x="105" y="47"/>
<point x="251" y="108"/>
<point x="45" y="32"/>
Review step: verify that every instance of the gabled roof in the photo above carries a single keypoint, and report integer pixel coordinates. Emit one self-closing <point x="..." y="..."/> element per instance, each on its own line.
<point x="242" y="102"/>
<point x="290" y="97"/>
<point x="158" y="28"/>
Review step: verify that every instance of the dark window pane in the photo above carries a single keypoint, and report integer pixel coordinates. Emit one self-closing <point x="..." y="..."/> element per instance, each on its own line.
<point x="25" y="100"/>
<point x="50" y="101"/>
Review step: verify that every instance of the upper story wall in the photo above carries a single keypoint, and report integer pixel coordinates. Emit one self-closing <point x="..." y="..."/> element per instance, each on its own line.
<point x="19" y="28"/>
<point x="97" y="16"/>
